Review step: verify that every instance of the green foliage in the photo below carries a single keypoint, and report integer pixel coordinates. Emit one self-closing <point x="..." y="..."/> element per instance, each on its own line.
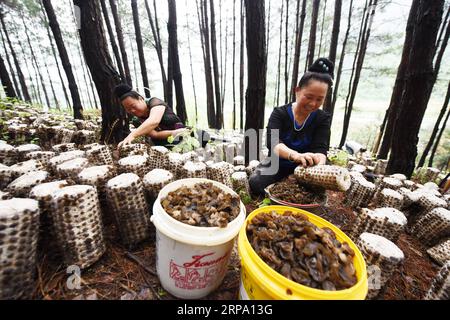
<point x="265" y="203"/>
<point x="187" y="143"/>
<point x="339" y="158"/>
<point x="245" y="197"/>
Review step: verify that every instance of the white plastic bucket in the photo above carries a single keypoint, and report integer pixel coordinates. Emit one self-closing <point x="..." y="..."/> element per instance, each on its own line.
<point x="191" y="262"/>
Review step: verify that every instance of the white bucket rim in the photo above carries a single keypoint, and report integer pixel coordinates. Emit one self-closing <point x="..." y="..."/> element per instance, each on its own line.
<point x="194" y="235"/>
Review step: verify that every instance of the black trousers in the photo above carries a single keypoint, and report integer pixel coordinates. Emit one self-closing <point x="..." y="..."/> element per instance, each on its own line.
<point x="261" y="179"/>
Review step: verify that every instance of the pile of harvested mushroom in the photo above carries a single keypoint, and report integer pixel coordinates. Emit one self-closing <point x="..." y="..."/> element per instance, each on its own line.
<point x="203" y="205"/>
<point x="299" y="250"/>
<point x="289" y="190"/>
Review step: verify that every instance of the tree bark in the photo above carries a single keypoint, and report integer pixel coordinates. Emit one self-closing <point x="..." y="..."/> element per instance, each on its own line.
<point x="435" y="129"/>
<point x="23" y="84"/>
<point x="95" y="48"/>
<point x="257" y="69"/>
<point x="286" y="56"/>
<point x="140" y="47"/>
<point x="54" y="26"/>
<point x="234" y="65"/>
<point x="158" y="47"/>
<point x="15" y="83"/>
<point x="438" y="139"/>
<point x="400" y="82"/>
<point x="278" y="84"/>
<point x="242" y="69"/>
<point x="6" y="80"/>
<point x="36" y="64"/>
<point x="217" y="89"/>
<point x="298" y="45"/>
<point x="202" y="12"/>
<point x="417" y="90"/>
<point x="361" y="53"/>
<point x="52" y="45"/>
<point x="312" y="34"/>
<point x="173" y="53"/>
<point x="112" y="40"/>
<point x="328" y="106"/>
<point x="119" y="33"/>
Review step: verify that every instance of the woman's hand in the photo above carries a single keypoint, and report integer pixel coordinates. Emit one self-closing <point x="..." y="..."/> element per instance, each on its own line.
<point x="305" y="159"/>
<point x="128" y="140"/>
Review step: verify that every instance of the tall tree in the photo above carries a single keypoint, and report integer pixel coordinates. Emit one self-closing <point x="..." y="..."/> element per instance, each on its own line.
<point x="55" y="57"/>
<point x="241" y="68"/>
<point x="121" y="41"/>
<point x="298" y="45"/>
<point x="112" y="40"/>
<point x="438" y="139"/>
<point x="215" y="61"/>
<point x="400" y="82"/>
<point x="286" y="55"/>
<point x="15" y="83"/>
<point x="140" y="48"/>
<point x="176" y="76"/>
<point x="95" y="48"/>
<point x="34" y="62"/>
<point x="322" y="28"/>
<point x="157" y="44"/>
<point x="312" y="34"/>
<point x="338" y="73"/>
<point x="328" y="106"/>
<point x="73" y="88"/>
<point x="202" y="12"/>
<point x="234" y="65"/>
<point x="360" y="54"/>
<point x="257" y="68"/>
<point x="417" y="89"/>
<point x="23" y="84"/>
<point x="6" y="80"/>
<point x="188" y="26"/>
<point x="278" y="83"/>
<point x="432" y="139"/>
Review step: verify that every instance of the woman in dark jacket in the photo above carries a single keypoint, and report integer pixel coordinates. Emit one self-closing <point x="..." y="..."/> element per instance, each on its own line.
<point x="304" y="129"/>
<point x="153" y="117"/>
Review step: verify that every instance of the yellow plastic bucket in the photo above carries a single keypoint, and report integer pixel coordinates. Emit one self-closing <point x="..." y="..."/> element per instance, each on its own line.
<point x="261" y="282"/>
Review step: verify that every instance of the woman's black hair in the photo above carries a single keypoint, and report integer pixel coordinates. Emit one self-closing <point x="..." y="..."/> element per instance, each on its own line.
<point x="123" y="91"/>
<point x="321" y="70"/>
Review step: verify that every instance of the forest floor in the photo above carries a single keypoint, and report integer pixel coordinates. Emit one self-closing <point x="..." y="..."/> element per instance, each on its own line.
<point x="131" y="275"/>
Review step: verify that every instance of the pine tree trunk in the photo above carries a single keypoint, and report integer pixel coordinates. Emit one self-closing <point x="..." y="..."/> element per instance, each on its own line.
<point x="278" y="84"/>
<point x="52" y="45"/>
<point x="52" y="88"/>
<point x="400" y="82"/>
<point x="93" y="42"/>
<point x="234" y="65"/>
<point x="37" y="68"/>
<point x="322" y="28"/>
<point x="328" y="106"/>
<point x="6" y="80"/>
<point x="418" y="88"/>
<point x="312" y="34"/>
<point x="438" y="139"/>
<point x="191" y="66"/>
<point x="361" y="53"/>
<point x="241" y="69"/>
<point x="54" y="26"/>
<point x="158" y="47"/>
<point x="140" y="47"/>
<point x="298" y="45"/>
<point x="23" y="84"/>
<point x="286" y="55"/>
<point x="202" y="12"/>
<point x="217" y="90"/>
<point x="257" y="70"/>
<point x="173" y="53"/>
<point x="119" y="33"/>
<point x="435" y="129"/>
<point x="16" y="85"/>
<point x="112" y="40"/>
